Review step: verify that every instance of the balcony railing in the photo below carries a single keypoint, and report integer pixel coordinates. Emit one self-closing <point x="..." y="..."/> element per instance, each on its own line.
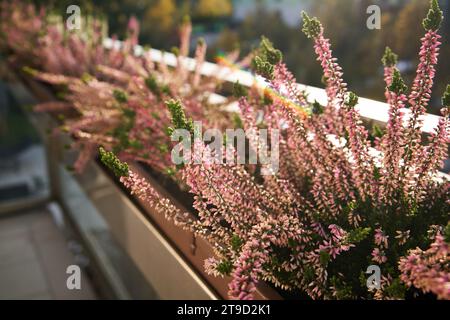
<point x="370" y="110"/>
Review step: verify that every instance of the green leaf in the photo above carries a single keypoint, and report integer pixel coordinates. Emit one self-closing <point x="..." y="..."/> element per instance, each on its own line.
<point x="434" y="17"/>
<point x="267" y="56"/>
<point x="239" y="90"/>
<point x="110" y="160"/>
<point x="446" y="97"/>
<point x="398" y="85"/>
<point x="120" y="96"/>
<point x="324" y="258"/>
<point x="152" y="85"/>
<point x="377" y="132"/>
<point x="317" y="108"/>
<point x="86" y="78"/>
<point x="236" y="243"/>
<point x="179" y="119"/>
<point x="271" y="55"/>
<point x="447" y="233"/>
<point x="263" y="68"/>
<point x="352" y="99"/>
<point x="311" y="26"/>
<point x="225" y="267"/>
<point x="358" y="234"/>
<point x="30" y="71"/>
<point x="389" y="59"/>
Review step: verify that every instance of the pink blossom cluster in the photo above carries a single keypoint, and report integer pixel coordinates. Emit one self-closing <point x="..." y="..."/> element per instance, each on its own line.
<point x="428" y="270"/>
<point x="109" y="97"/>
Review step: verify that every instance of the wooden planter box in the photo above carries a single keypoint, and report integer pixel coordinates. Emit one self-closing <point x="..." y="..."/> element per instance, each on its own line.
<point x="175" y="265"/>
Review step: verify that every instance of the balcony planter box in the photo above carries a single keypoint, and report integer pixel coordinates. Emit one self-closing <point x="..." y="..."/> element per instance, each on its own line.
<point x="192" y="249"/>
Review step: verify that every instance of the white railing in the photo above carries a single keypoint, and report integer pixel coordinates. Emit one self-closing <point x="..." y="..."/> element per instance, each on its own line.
<point x="368" y="109"/>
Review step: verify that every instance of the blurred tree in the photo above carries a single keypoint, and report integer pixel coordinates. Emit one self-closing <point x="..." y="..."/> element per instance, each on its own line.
<point x="406" y="42"/>
<point x="407" y="31"/>
<point x="358" y="49"/>
<point x="159" y="24"/>
<point x="161" y="15"/>
<point x="228" y="40"/>
<point x="214" y="8"/>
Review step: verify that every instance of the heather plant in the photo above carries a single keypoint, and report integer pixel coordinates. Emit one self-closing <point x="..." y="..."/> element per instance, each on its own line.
<point x="118" y="98"/>
<point x="34" y="38"/>
<point x="338" y="204"/>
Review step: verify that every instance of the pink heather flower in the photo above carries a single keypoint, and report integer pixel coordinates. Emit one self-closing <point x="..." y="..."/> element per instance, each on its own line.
<point x="428" y="270"/>
<point x="133" y="30"/>
<point x="421" y="93"/>
<point x="337" y="243"/>
<point x="381" y="239"/>
<point x="336" y="87"/>
<point x="378" y="256"/>
<point x="402" y="236"/>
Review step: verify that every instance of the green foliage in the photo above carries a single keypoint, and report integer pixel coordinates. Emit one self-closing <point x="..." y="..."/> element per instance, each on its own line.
<point x="317" y="108"/>
<point x="152" y="85"/>
<point x="434" y="17"/>
<point x="396" y="289"/>
<point x="186" y="19"/>
<point x="170" y="171"/>
<point x="358" y="234"/>
<point x="175" y="51"/>
<point x="263" y="68"/>
<point x="267" y="98"/>
<point x="179" y="119"/>
<point x="86" y="78"/>
<point x="377" y="132"/>
<point x="236" y="243"/>
<point x="225" y="267"/>
<point x="324" y="258"/>
<point x="398" y="85"/>
<point x="122" y="132"/>
<point x="446" y="97"/>
<point x="237" y="121"/>
<point x="110" y="160"/>
<point x="390" y="59"/>
<point x="343" y="290"/>
<point x="120" y="96"/>
<point x="352" y="99"/>
<point x="311" y="26"/>
<point x="30" y="71"/>
<point x="267" y="56"/>
<point x="201" y="41"/>
<point x="239" y="90"/>
<point x="447" y="233"/>
<point x="268" y="53"/>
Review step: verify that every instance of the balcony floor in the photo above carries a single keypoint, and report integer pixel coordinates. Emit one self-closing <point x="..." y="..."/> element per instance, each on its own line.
<point x="34" y="256"/>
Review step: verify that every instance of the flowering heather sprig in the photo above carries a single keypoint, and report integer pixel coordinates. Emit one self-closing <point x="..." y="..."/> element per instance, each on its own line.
<point x="35" y="40"/>
<point x="422" y="85"/>
<point x="118" y="97"/>
<point x="436" y="151"/>
<point x="389" y="61"/>
<point x="336" y="87"/>
<point x="428" y="270"/>
<point x="392" y="142"/>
